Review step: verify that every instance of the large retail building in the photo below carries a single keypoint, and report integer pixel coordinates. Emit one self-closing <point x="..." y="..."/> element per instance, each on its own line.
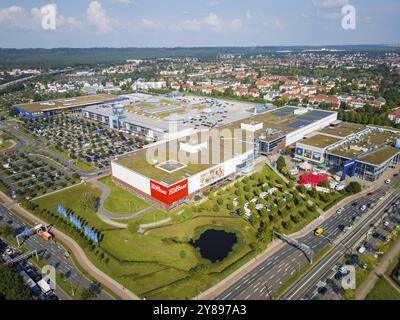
<point x="174" y="171"/>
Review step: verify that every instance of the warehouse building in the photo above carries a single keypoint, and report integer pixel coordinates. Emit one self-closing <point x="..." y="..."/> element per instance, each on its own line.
<point x="43" y="109"/>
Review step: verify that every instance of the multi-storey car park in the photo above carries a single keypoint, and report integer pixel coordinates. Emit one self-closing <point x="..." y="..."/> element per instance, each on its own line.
<point x="365" y="152"/>
<point x="171" y="178"/>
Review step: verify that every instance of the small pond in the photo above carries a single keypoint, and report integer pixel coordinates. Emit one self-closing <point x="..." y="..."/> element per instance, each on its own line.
<point x="215" y="245"/>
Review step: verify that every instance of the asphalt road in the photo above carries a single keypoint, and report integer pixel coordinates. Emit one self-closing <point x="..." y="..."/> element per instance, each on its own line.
<point x="268" y="277"/>
<point x="52" y="254"/>
<point x="320" y="270"/>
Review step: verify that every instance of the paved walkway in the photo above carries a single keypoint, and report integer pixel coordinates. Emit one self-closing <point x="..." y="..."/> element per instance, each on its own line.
<point x="143" y="227"/>
<point x="277" y="245"/>
<point x="77" y="251"/>
<point x="106" y="215"/>
<point x="363" y="290"/>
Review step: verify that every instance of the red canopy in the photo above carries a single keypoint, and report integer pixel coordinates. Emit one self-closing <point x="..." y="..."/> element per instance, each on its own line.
<point x="313" y="179"/>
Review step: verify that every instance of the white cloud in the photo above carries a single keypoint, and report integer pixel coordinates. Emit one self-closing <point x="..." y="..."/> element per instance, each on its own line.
<point x="236" y="24"/>
<point x="204" y="23"/>
<point x="151" y="24"/>
<point x="278" y="24"/>
<point x="18" y="18"/>
<point x="14" y="17"/>
<point x="97" y="17"/>
<point x="331" y="3"/>
<point x="213" y="21"/>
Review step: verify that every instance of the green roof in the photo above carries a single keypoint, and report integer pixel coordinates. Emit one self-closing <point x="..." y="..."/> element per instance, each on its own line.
<point x="147" y="161"/>
<point x="320" y="141"/>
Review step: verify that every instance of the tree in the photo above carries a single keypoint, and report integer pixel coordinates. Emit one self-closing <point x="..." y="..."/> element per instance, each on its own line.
<point x="12" y="286"/>
<point x="89" y="201"/>
<point x="87" y="294"/>
<point x="280" y="163"/>
<point x="354" y="187"/>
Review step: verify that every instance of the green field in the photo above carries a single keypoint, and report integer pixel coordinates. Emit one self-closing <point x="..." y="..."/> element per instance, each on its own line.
<point x="383" y="290"/>
<point x="5" y="145"/>
<point x="120" y="201"/>
<point x="72" y="198"/>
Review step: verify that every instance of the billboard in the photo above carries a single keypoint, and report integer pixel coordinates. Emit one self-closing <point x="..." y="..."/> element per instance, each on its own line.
<point x="171" y="194"/>
<point x="211" y="176"/>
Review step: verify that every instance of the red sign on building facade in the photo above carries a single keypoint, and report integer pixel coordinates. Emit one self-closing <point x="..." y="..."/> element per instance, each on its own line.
<point x="171" y="194"/>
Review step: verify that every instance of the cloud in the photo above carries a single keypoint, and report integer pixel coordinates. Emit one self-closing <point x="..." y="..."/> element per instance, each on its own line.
<point x="278" y="24"/>
<point x="330" y="3"/>
<point x="205" y="23"/>
<point x="213" y="21"/>
<point x="151" y="24"/>
<point x="18" y="18"/>
<point x="97" y="17"/>
<point x="210" y="21"/>
<point x="14" y="17"/>
<point x="236" y="24"/>
<point x="10" y="13"/>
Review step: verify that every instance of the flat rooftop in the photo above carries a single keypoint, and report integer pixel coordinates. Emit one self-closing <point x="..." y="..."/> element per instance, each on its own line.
<point x="160" y="164"/>
<point x="281" y="122"/>
<point x="373" y="148"/>
<point x="344" y="130"/>
<point x="320" y="141"/>
<point x="66" y="103"/>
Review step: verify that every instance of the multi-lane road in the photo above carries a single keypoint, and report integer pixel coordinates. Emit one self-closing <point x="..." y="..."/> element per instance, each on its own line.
<point x="51" y="254"/>
<point x="269" y="276"/>
<point x="320" y="270"/>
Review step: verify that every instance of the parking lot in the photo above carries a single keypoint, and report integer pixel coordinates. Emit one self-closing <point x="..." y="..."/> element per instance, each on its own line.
<point x="90" y="142"/>
<point x="31" y="176"/>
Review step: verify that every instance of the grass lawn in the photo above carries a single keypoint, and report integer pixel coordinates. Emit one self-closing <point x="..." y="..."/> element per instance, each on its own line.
<point x="383" y="290"/>
<point x="185" y="230"/>
<point x="5" y="145"/>
<point x="121" y="201"/>
<point x="71" y="199"/>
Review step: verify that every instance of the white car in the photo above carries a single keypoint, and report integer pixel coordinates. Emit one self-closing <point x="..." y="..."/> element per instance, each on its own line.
<point x="340" y="210"/>
<point x="362" y="250"/>
<point x="386" y="224"/>
<point x="363" y="208"/>
<point x="388" y="181"/>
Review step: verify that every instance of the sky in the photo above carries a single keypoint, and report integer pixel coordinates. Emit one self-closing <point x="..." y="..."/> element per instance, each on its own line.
<point x="196" y="23"/>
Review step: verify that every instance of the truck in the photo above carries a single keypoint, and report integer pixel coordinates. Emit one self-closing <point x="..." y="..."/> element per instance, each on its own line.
<point x="44" y="286"/>
<point x="30" y="283"/>
<point x="42" y="232"/>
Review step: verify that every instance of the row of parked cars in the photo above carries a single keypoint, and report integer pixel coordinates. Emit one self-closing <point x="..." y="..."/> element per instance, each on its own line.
<point x="40" y="289"/>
